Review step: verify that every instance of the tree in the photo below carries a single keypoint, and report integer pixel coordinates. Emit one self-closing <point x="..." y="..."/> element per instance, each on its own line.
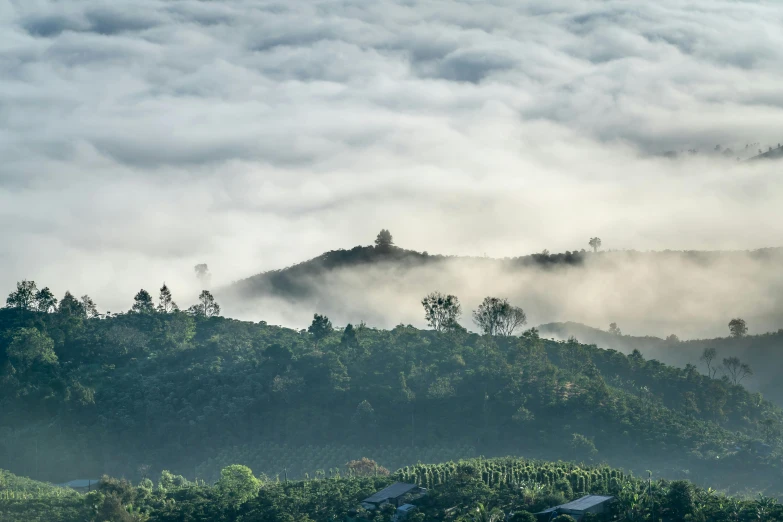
<point x="45" y="301"/>
<point x="206" y="307"/>
<point x="707" y="356"/>
<point x="320" y="328"/>
<point x="237" y="484"/>
<point x="680" y="499"/>
<point x="24" y="296"/>
<point x="348" y="339"/>
<point x="71" y="306"/>
<point x="441" y="311"/>
<point x="735" y="369"/>
<point x="614" y="329"/>
<point x="672" y="339"/>
<point x="142" y="303"/>
<point x="165" y="302"/>
<point x="29" y="346"/>
<point x="365" y="468"/>
<point x="89" y="307"/>
<point x="738" y="328"/>
<point x="497" y="316"/>
<point x="595" y="243"/>
<point x="384" y="240"/>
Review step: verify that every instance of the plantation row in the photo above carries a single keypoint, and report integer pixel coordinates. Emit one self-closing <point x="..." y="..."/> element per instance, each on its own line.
<point x="516" y="472"/>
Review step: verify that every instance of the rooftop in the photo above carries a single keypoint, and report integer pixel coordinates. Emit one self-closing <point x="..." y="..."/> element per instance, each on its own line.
<point x="397" y="489"/>
<point x="581" y="504"/>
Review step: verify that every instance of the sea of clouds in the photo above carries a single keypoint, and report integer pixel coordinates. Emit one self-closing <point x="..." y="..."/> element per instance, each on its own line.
<point x="141" y="137"/>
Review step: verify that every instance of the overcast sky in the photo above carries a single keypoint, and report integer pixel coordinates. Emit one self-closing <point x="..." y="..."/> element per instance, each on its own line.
<point x="141" y="137"/>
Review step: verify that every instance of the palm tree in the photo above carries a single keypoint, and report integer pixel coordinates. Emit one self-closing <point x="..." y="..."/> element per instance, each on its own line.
<point x="595" y="242"/>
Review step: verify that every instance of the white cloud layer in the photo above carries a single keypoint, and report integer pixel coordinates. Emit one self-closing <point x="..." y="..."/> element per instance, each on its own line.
<point x="142" y="137"/>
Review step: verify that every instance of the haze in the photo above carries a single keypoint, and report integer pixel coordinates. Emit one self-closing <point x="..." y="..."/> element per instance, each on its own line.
<point x="143" y="137"/>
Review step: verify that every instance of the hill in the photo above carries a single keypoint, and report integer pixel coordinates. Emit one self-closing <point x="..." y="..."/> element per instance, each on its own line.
<point x="467" y="490"/>
<point x="141" y="392"/>
<point x="693" y="294"/>
<point x="762" y="352"/>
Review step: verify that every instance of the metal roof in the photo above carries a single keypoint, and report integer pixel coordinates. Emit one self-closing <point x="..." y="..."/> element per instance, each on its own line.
<point x="406" y="507"/>
<point x="84" y="483"/>
<point x="582" y="504"/>
<point x="397" y="489"/>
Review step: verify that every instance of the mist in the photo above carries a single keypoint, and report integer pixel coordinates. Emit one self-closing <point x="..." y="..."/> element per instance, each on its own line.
<point x="662" y="293"/>
<point x="141" y="139"/>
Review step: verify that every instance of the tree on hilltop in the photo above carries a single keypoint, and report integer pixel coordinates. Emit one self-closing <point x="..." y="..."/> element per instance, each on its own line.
<point x="497" y="316"/>
<point x="738" y="327"/>
<point x="142" y="303"/>
<point x="24" y="296"/>
<point x="384" y="239"/>
<point x="166" y="303"/>
<point x="595" y="243"/>
<point x="320" y="328"/>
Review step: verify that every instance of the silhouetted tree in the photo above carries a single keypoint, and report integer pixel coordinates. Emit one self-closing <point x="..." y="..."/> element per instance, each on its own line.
<point x="595" y="243"/>
<point x="165" y="302"/>
<point x="348" y="338"/>
<point x="738" y="328"/>
<point x="384" y="239"/>
<point x="707" y="356"/>
<point x="614" y="329"/>
<point x="23" y="298"/>
<point x="497" y="316"/>
<point x="736" y="370"/>
<point x="142" y="303"/>
<point x="206" y="307"/>
<point x="69" y="305"/>
<point x="441" y="311"/>
<point x="89" y="307"/>
<point x="320" y="328"/>
<point x="672" y="339"/>
<point x="45" y="301"/>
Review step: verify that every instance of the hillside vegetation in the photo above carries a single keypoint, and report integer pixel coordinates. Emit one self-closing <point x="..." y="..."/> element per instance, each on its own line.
<point x="191" y="392"/>
<point x="464" y="491"/>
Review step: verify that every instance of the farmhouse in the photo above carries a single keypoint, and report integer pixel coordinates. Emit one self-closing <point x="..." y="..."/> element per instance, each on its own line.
<point x="577" y="508"/>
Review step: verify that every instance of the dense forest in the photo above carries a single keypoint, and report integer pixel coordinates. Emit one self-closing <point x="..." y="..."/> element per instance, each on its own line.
<point x="466" y="491"/>
<point x="156" y="388"/>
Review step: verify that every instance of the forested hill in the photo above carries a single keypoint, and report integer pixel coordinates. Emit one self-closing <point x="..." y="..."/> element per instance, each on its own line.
<point x="190" y="393"/>
<point x="763" y="353"/>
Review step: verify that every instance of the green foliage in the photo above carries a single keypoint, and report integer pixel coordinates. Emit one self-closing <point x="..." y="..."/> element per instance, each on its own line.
<point x="237" y="484"/>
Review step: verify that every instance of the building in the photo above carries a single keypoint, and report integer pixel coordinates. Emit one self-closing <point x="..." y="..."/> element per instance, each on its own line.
<point x="397" y="494"/>
<point x="81" y="485"/>
<point x="577" y="508"/>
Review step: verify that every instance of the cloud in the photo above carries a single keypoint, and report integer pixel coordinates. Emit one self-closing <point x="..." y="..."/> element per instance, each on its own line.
<point x="143" y="137"/>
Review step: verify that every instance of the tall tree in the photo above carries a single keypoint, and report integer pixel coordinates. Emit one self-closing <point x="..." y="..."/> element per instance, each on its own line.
<point x="348" y="338"/>
<point x="206" y="307"/>
<point x="441" y="311"/>
<point x="735" y="369"/>
<point x="142" y="303"/>
<point x="320" y="328"/>
<point x="71" y="306"/>
<point x="23" y="298"/>
<point x="738" y="328"/>
<point x="384" y="239"/>
<point x="45" y="301"/>
<point x="614" y="329"/>
<point x="89" y="307"/>
<point x="496" y="316"/>
<point x="595" y="243"/>
<point x="165" y="302"/>
<point x="707" y="356"/>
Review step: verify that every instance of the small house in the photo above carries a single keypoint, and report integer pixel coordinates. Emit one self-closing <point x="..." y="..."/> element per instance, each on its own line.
<point x="578" y="508"/>
<point x="397" y="494"/>
<point x="403" y="511"/>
